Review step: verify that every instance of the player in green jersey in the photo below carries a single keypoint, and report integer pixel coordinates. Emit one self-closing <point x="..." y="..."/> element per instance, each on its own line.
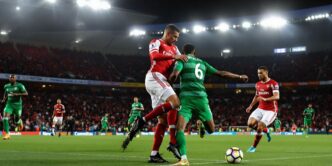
<point x="104" y="123"/>
<point x="277" y="125"/>
<point x="136" y="109"/>
<point x="13" y="92"/>
<point x="193" y="97"/>
<point x="309" y="115"/>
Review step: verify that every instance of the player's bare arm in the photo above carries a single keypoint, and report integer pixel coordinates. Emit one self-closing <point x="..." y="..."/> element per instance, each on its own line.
<point x="227" y="74"/>
<point x="275" y="97"/>
<point x="254" y="101"/>
<point x="4" y="97"/>
<point x="19" y="94"/>
<point x="173" y="77"/>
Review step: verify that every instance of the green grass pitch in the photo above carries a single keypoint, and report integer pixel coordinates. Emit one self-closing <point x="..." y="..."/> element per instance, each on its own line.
<point x="105" y="150"/>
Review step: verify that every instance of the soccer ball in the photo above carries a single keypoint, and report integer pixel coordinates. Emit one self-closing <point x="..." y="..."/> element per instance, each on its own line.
<point x="234" y="155"/>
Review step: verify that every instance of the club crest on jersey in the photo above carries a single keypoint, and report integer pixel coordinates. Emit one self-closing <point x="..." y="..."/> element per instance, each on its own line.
<point x="168" y="53"/>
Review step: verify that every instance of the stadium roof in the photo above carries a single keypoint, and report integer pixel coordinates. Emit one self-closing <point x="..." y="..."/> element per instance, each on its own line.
<point x="65" y="15"/>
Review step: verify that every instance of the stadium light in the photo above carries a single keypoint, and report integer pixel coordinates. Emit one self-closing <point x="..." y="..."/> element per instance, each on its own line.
<point x="51" y="1"/>
<point x="299" y="49"/>
<point x="184" y="30"/>
<point x="3" y="33"/>
<point x="223" y="27"/>
<point x="18" y="8"/>
<point x="246" y="25"/>
<point x="280" y="50"/>
<point x="273" y="22"/>
<point x="317" y="17"/>
<point x="94" y="4"/>
<point x="199" y="28"/>
<point x="226" y="51"/>
<point x="78" y="41"/>
<point x="137" y="32"/>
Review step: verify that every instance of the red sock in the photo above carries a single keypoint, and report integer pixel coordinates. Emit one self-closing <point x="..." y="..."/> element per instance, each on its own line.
<point x="158" y="111"/>
<point x="257" y="139"/>
<point x="158" y="136"/>
<point x="266" y="130"/>
<point x="171" y="119"/>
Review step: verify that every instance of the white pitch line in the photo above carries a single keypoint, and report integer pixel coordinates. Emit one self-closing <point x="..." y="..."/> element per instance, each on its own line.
<point x="266" y="159"/>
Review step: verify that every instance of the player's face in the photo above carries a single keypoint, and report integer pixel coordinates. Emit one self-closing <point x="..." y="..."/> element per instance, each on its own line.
<point x="310" y="105"/>
<point x="172" y="37"/>
<point x="135" y="99"/>
<point x="262" y="74"/>
<point x="58" y="101"/>
<point x="12" y="78"/>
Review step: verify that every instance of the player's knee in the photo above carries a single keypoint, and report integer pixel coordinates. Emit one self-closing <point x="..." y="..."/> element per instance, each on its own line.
<point x="175" y="101"/>
<point x="162" y="121"/>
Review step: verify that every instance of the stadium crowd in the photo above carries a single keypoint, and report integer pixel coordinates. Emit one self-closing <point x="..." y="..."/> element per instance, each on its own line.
<point x="86" y="107"/>
<point x="65" y="63"/>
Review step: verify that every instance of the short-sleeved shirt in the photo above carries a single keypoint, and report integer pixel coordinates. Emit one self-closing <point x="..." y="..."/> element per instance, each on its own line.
<point x="266" y="90"/>
<point x="14" y="88"/>
<point x="134" y="109"/>
<point x="308" y="113"/>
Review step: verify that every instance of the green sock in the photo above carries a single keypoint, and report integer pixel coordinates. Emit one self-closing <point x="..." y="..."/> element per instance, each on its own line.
<point x="6" y="125"/>
<point x="181" y="141"/>
<point x="19" y="122"/>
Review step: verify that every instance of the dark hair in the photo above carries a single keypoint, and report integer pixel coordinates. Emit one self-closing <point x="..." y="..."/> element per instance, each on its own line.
<point x="172" y="27"/>
<point x="263" y="68"/>
<point x="188" y="49"/>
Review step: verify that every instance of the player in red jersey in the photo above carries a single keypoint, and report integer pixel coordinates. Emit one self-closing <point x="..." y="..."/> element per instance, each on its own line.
<point x="267" y="95"/>
<point x="163" y="53"/>
<point x="59" y="110"/>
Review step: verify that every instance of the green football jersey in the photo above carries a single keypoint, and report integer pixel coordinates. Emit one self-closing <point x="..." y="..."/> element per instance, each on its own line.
<point x="277" y="123"/>
<point x="135" y="109"/>
<point x="104" y="119"/>
<point x="192" y="75"/>
<point x="14" y="88"/>
<point x="308" y="113"/>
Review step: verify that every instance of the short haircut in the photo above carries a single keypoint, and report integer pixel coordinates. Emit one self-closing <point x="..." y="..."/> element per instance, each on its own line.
<point x="263" y="68"/>
<point x="188" y="48"/>
<point x="172" y="27"/>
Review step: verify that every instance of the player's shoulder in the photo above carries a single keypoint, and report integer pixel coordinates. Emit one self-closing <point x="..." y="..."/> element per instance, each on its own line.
<point x="156" y="40"/>
<point x="272" y="81"/>
<point x="6" y="85"/>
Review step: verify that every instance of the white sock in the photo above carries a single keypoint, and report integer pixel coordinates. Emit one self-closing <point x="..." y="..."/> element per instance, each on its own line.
<point x="184" y="157"/>
<point x="144" y="119"/>
<point x="154" y="152"/>
<point x="52" y="130"/>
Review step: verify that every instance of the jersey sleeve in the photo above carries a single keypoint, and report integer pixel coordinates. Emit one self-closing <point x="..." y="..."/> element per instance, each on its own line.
<point x="210" y="70"/>
<point x="275" y="87"/>
<point x="178" y="66"/>
<point x="154" y="47"/>
<point x="22" y="88"/>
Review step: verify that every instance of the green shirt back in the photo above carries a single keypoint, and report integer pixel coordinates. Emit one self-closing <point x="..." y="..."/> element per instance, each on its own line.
<point x="14" y="88"/>
<point x="134" y="109"/>
<point x="192" y="75"/>
<point x="104" y="119"/>
<point x="308" y="113"/>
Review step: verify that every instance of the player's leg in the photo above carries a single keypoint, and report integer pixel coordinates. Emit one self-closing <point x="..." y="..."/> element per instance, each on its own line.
<point x="267" y="119"/>
<point x="130" y="122"/>
<point x="60" y="120"/>
<point x="202" y="109"/>
<point x="159" y="89"/>
<point x="201" y="128"/>
<point x="253" y="120"/>
<point x="172" y="103"/>
<point x="158" y="139"/>
<point x="6" y="116"/>
<point x="54" y="121"/>
<point x="17" y="111"/>
<point x="171" y="120"/>
<point x="180" y="137"/>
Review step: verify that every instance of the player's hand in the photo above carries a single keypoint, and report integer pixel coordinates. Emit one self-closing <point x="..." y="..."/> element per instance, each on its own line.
<point x="183" y="58"/>
<point x="249" y="109"/>
<point x="2" y="101"/>
<point x="264" y="99"/>
<point x="244" y="78"/>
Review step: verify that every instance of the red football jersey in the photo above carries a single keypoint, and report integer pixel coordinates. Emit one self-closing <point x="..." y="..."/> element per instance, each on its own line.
<point x="161" y="56"/>
<point x="59" y="109"/>
<point x="265" y="90"/>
